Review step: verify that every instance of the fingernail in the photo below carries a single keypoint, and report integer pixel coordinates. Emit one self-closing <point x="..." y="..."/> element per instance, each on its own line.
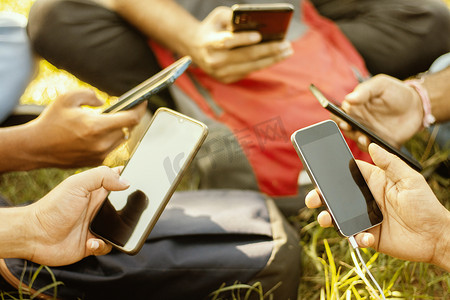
<point x="352" y="95"/>
<point x="285" y="46"/>
<point x="254" y="37"/>
<point x="344" y="126"/>
<point x="95" y="245"/>
<point x="345" y="106"/>
<point x="287" y="52"/>
<point x="362" y="140"/>
<point x="124" y="181"/>
<point x="366" y="240"/>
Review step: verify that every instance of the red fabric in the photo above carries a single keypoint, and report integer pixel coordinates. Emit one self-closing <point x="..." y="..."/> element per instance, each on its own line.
<point x="264" y="109"/>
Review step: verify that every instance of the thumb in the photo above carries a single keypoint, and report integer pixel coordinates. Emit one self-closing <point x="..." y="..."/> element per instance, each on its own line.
<point x="79" y="98"/>
<point x="97" y="247"/>
<point x="395" y="168"/>
<point x="96" y="178"/>
<point x="360" y="95"/>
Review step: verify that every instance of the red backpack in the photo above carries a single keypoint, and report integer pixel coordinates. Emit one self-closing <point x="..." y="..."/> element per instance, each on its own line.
<point x="251" y="120"/>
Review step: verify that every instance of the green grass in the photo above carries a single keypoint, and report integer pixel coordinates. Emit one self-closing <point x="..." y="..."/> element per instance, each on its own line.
<point x="328" y="268"/>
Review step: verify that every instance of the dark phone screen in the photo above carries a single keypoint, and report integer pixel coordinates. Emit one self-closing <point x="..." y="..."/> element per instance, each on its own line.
<point x="338" y="178"/>
<point x="165" y="150"/>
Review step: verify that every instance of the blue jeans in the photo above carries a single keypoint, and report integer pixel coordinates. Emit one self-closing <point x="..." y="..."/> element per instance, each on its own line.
<point x="16" y="61"/>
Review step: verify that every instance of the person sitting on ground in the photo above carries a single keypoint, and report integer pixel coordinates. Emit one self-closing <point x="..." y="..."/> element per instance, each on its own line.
<point x="66" y="135"/>
<point x="252" y="95"/>
<point x="399" y="38"/>
<point x="416" y="225"/>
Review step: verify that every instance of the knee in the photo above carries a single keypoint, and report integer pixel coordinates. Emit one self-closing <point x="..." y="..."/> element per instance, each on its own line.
<point x="41" y="12"/>
<point x="439" y="17"/>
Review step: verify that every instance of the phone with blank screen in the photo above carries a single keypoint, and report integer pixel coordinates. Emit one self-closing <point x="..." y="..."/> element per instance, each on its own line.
<point x="271" y="20"/>
<point x="333" y="170"/>
<point x="154" y="170"/>
<point x="151" y="86"/>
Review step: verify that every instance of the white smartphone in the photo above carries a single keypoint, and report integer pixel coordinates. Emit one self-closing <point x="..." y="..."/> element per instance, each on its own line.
<point x="271" y="20"/>
<point x="154" y="170"/>
<point x="151" y="86"/>
<point x="333" y="170"/>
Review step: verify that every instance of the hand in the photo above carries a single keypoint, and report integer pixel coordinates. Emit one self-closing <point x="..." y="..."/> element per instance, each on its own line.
<point x="386" y="105"/>
<point x="228" y="56"/>
<point x="66" y="135"/>
<point x="59" y="222"/>
<point x="416" y="225"/>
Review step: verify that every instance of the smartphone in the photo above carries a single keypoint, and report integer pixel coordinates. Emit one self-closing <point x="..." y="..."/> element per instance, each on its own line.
<point x="337" y="111"/>
<point x="154" y="170"/>
<point x="151" y="86"/>
<point x="271" y="20"/>
<point x="333" y="170"/>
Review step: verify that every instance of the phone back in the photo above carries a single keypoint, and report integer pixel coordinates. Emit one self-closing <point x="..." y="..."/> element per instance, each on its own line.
<point x="271" y="20"/>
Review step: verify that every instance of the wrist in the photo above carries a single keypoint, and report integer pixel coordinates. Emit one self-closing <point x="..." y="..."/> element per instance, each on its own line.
<point x="15" y="233"/>
<point x="441" y="256"/>
<point x="428" y="118"/>
<point x="31" y="153"/>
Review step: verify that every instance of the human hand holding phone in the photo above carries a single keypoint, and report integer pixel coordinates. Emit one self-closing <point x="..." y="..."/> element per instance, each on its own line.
<point x="67" y="135"/>
<point x="154" y="170"/>
<point x="271" y="20"/>
<point x="228" y="56"/>
<point x="337" y="176"/>
<point x="356" y="125"/>
<point x="415" y="225"/>
<point x="388" y="106"/>
<point x="57" y="225"/>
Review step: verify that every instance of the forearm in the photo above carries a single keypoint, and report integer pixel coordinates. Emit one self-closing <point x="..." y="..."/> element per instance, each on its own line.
<point x="438" y="90"/>
<point x="15" y="240"/>
<point x="161" y="20"/>
<point x="16" y="151"/>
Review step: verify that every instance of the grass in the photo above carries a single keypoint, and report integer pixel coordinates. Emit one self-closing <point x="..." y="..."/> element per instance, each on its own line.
<point x="328" y="265"/>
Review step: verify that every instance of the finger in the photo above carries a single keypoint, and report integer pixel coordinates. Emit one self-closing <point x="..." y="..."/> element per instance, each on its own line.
<point x="312" y="199"/>
<point x="97" y="247"/>
<point x="244" y="65"/>
<point x="220" y="17"/>
<point x="365" y="239"/>
<point x="324" y="219"/>
<point x="362" y="140"/>
<point x="96" y="178"/>
<point x="262" y="52"/>
<point x="118" y="120"/>
<point x="241" y="39"/>
<point x="342" y="124"/>
<point x="367" y="90"/>
<point x="118" y="169"/>
<point x="79" y="98"/>
<point x="395" y="168"/>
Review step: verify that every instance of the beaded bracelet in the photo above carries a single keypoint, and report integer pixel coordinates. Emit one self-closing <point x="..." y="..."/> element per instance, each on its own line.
<point x="428" y="118"/>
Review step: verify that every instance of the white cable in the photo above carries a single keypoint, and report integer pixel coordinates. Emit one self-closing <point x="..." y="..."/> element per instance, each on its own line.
<point x="355" y="246"/>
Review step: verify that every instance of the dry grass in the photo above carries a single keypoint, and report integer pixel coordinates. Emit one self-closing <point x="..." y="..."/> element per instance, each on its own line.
<point x="328" y="266"/>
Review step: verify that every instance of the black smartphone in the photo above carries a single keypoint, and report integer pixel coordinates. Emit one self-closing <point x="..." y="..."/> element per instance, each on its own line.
<point x="337" y="111"/>
<point x="154" y="170"/>
<point x="271" y="20"/>
<point x="333" y="170"/>
<point x="151" y="86"/>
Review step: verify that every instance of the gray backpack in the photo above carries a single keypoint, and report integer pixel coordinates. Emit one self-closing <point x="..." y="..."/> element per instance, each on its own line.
<point x="204" y="240"/>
